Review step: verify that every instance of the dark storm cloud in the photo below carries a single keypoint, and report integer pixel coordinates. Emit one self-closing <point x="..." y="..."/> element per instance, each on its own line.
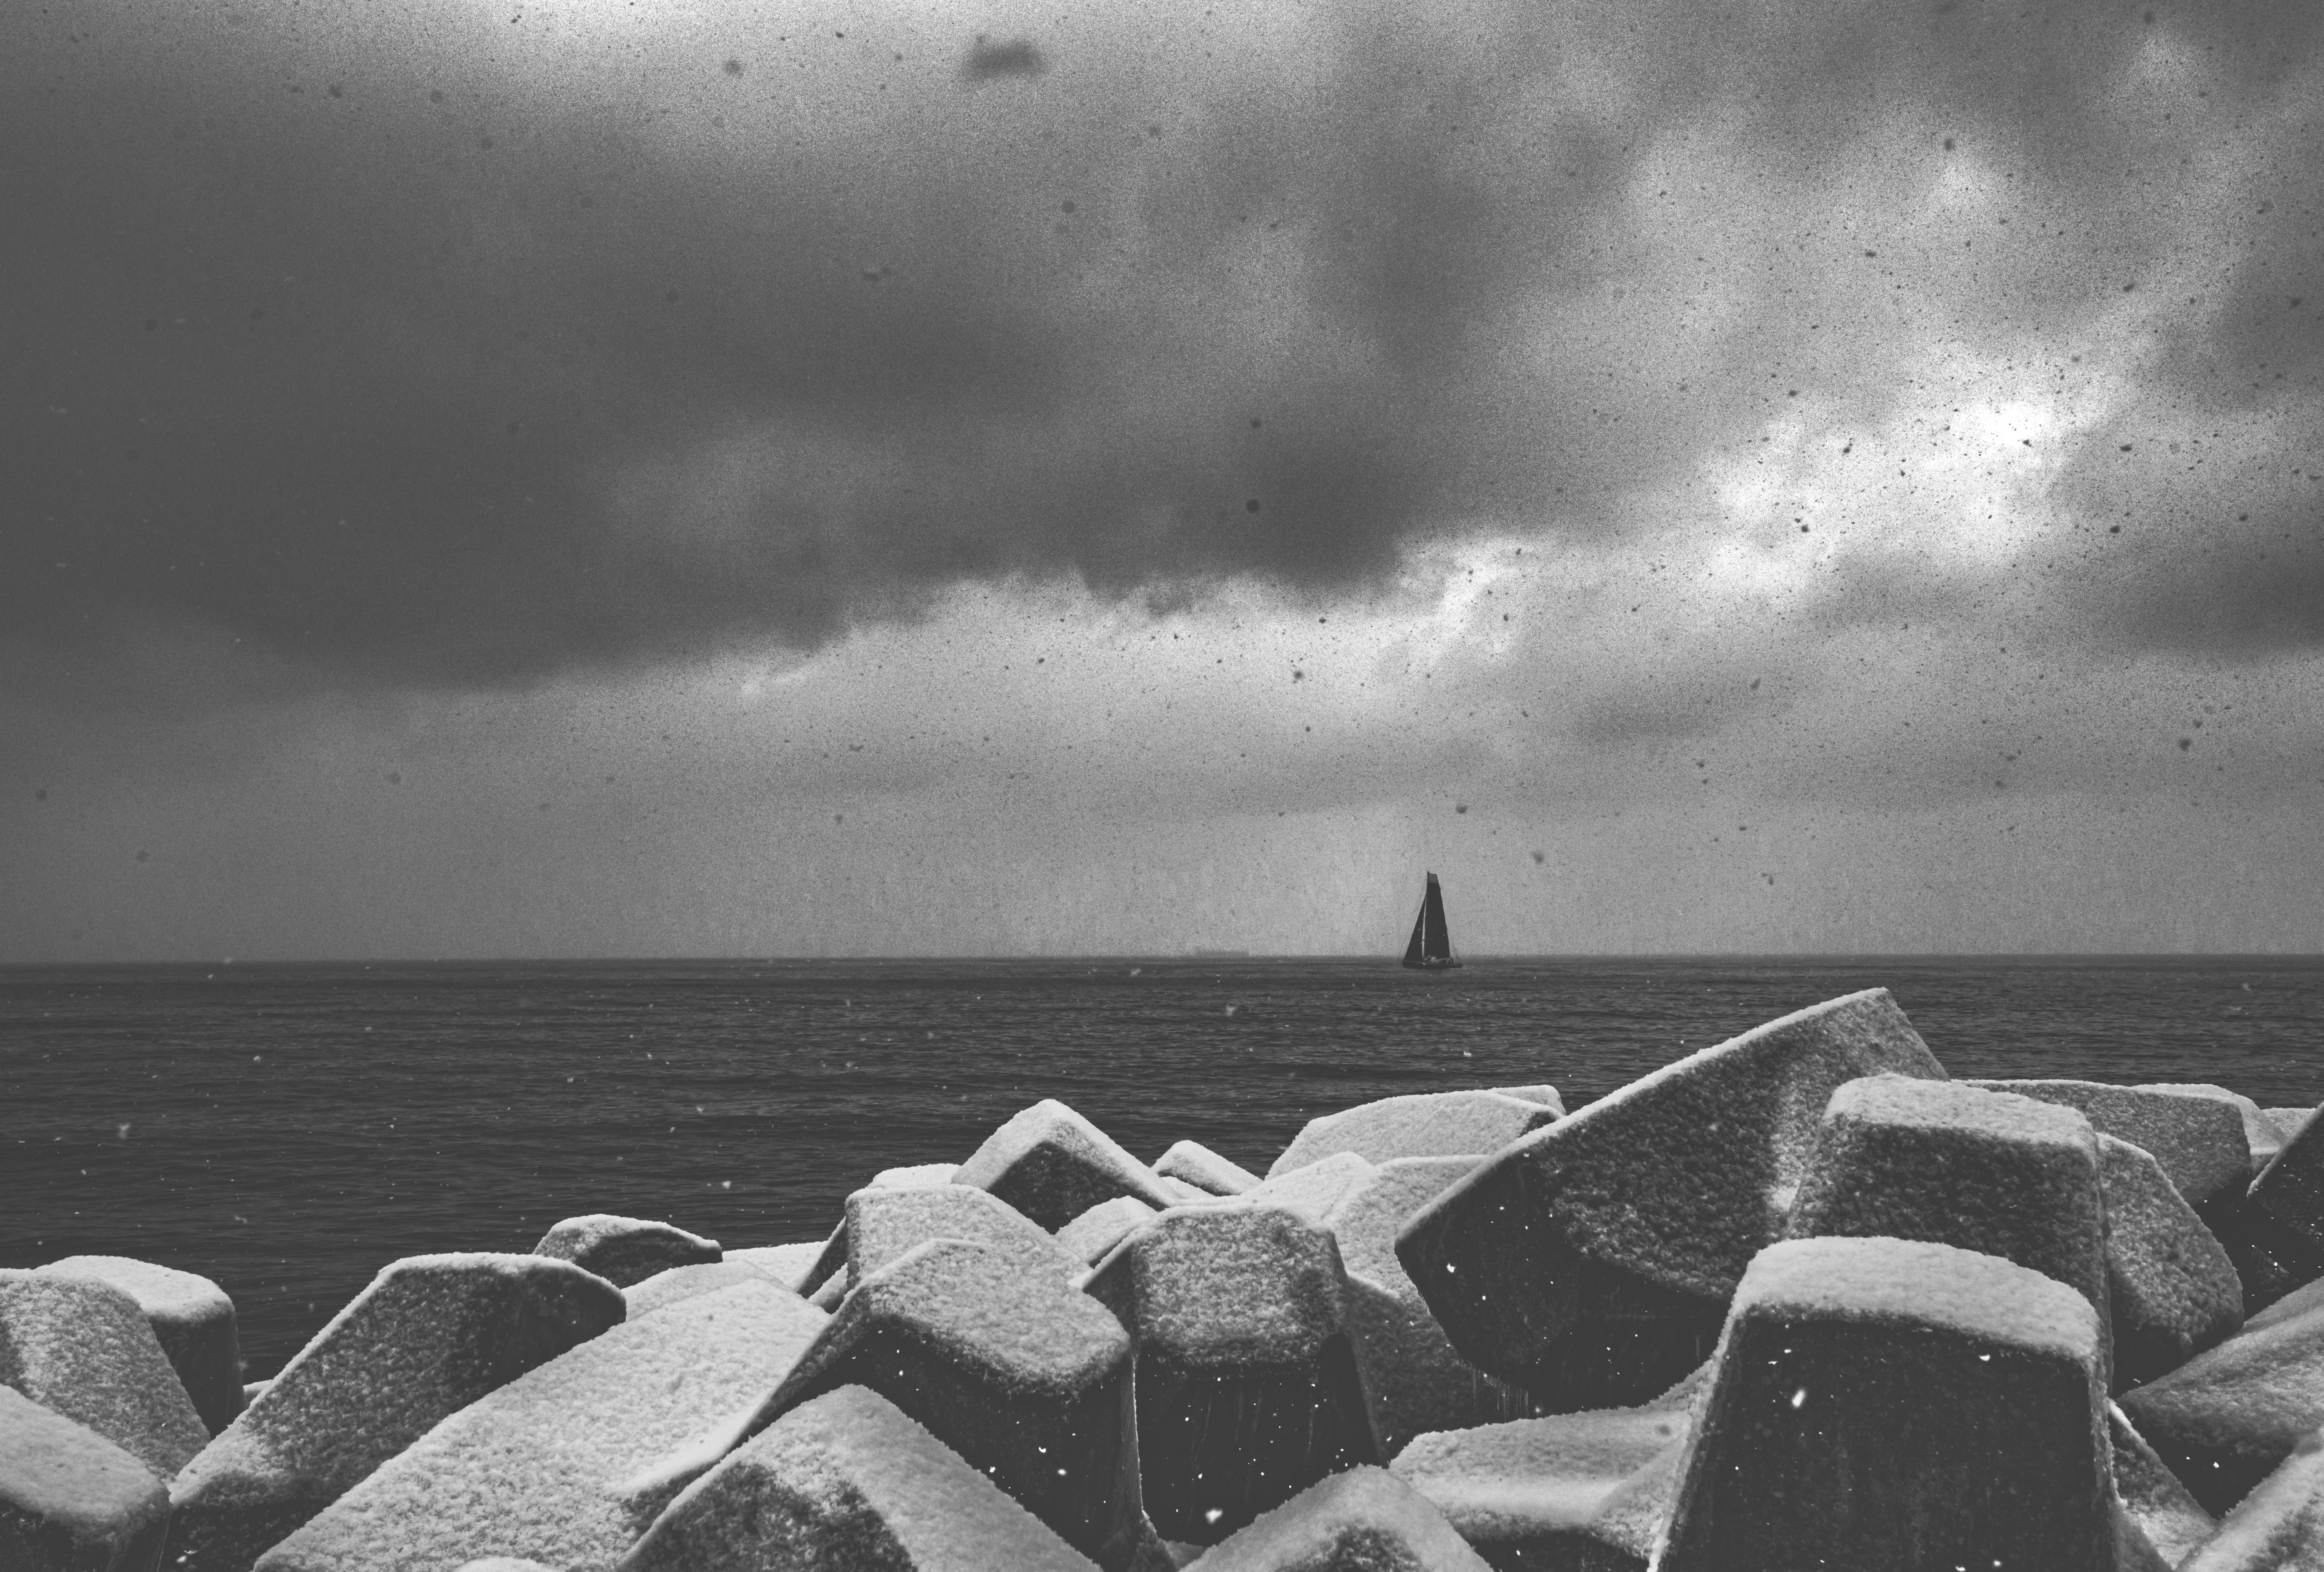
<point x="430" y="352"/>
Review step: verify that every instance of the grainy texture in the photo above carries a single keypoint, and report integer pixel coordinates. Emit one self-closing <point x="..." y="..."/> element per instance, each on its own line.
<point x="1053" y="1165"/>
<point x="2279" y="1527"/>
<point x="785" y="1265"/>
<point x="2172" y="1293"/>
<point x="193" y="1320"/>
<point x="624" y="1250"/>
<point x="1192" y="1163"/>
<point x="883" y="1223"/>
<point x="2224" y="1419"/>
<point x="1535" y="1492"/>
<point x="684" y="1282"/>
<point x="1089" y="1237"/>
<point x="70" y="1501"/>
<point x="85" y="1348"/>
<point x="1365" y="1520"/>
<point x="2164" y="1510"/>
<point x="1420" y="1124"/>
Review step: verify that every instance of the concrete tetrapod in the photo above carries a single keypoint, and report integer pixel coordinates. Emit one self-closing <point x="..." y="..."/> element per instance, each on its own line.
<point x="1247" y="1386"/>
<point x="1420" y="1124"/>
<point x="2152" y="1497"/>
<point x="1195" y="1164"/>
<point x="2172" y="1293"/>
<point x="192" y="1319"/>
<point x="84" y="1348"/>
<point x="1005" y="1363"/>
<point x="1591" y="1262"/>
<point x="848" y="1483"/>
<point x="1365" y="1520"/>
<point x="1092" y="1237"/>
<point x="2261" y="1137"/>
<point x="624" y="1251"/>
<point x="569" y="1463"/>
<point x="70" y="1501"/>
<point x="2277" y="1236"/>
<point x="883" y="1222"/>
<point x="1053" y="1165"/>
<point x="2279" y="1527"/>
<point x="429" y="1336"/>
<point x="785" y="1265"/>
<point x="2228" y="1417"/>
<point x="1897" y="1404"/>
<point x="2199" y="1139"/>
<point x="685" y="1282"/>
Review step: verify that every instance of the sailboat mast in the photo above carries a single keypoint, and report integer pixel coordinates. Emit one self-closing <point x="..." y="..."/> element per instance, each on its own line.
<point x="1437" y="945"/>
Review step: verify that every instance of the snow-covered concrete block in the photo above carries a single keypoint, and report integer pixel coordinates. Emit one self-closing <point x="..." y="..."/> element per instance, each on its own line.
<point x="2298" y="1302"/>
<point x="2276" y="1236"/>
<point x="1902" y="1158"/>
<point x="1414" y="1379"/>
<point x="1053" y="1165"/>
<point x="2287" y="1120"/>
<point x="1898" y="1404"/>
<point x="848" y="1483"/>
<point x="2261" y="1136"/>
<point x="2279" y="1527"/>
<point x="684" y="1282"/>
<point x="1591" y="1262"/>
<point x="1555" y="1491"/>
<point x="70" y="1501"/>
<point x="570" y="1463"/>
<point x="1005" y="1363"/>
<point x="84" y="1348"/>
<point x="2172" y="1293"/>
<point x="1365" y="1520"/>
<point x="784" y="1265"/>
<point x="917" y="1176"/>
<point x="429" y="1336"/>
<point x="2228" y="1417"/>
<point x="1091" y="1236"/>
<point x="1420" y="1124"/>
<point x="2199" y="1139"/>
<point x="1195" y="1164"/>
<point x="193" y="1320"/>
<point x="624" y="1251"/>
<point x="1247" y="1386"/>
<point x="2157" y="1503"/>
<point x="1314" y="1189"/>
<point x="884" y="1224"/>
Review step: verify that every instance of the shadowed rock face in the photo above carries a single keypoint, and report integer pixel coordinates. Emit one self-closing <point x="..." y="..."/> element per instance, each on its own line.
<point x="2172" y="1293"/>
<point x="2226" y="1419"/>
<point x="2279" y="1527"/>
<point x="1591" y="1262"/>
<point x="2276" y="1236"/>
<point x="2162" y="1509"/>
<point x="1053" y="1165"/>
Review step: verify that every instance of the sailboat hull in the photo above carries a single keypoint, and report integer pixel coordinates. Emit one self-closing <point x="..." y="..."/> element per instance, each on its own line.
<point x="1433" y="964"/>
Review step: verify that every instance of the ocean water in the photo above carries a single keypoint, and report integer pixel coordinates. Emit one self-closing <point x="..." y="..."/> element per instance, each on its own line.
<point x="287" y="1129"/>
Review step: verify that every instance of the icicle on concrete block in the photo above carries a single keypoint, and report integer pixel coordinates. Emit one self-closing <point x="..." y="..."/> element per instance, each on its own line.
<point x="70" y="1501"/>
<point x="1089" y="1236"/>
<point x="848" y="1483"/>
<point x="1591" y="1263"/>
<point x="84" y="1348"/>
<point x="1898" y="1404"/>
<point x="1900" y="1158"/>
<point x="2279" y="1527"/>
<point x="193" y="1320"/>
<point x="685" y="1282"/>
<point x="1554" y="1491"/>
<point x="2172" y="1293"/>
<point x="1053" y="1165"/>
<point x="2261" y="1137"/>
<point x="624" y="1251"/>
<point x="429" y="1336"/>
<point x="2152" y="1497"/>
<point x="2224" y="1419"/>
<point x="1420" y="1124"/>
<point x="1197" y="1165"/>
<point x="1356" y="1522"/>
<point x="1246" y="1387"/>
<point x="2276" y="1236"/>
<point x="2199" y="1139"/>
<point x="784" y="1265"/>
<point x="569" y="1463"/>
<point x="1009" y="1366"/>
<point x="1414" y="1379"/>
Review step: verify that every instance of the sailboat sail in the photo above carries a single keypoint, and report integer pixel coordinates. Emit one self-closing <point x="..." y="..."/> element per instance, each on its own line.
<point x="1431" y="947"/>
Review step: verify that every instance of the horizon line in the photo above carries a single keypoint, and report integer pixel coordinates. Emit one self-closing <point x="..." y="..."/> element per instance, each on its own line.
<point x="1836" y="957"/>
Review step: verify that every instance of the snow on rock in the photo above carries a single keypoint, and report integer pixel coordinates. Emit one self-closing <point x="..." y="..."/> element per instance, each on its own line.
<point x="2224" y="1419"/>
<point x="84" y="1348"/>
<point x="2199" y="1139"/>
<point x="1053" y="1165"/>
<point x="1314" y="1189"/>
<point x="883" y="1224"/>
<point x="1897" y="1403"/>
<point x="848" y="1481"/>
<point x="1356" y="1522"/>
<point x="1192" y="1163"/>
<point x="918" y="1176"/>
<point x="2261" y="1136"/>
<point x="1537" y="1491"/>
<point x="570" y="1463"/>
<point x="2279" y="1527"/>
<point x="624" y="1251"/>
<point x="1089" y="1237"/>
<point x="2163" y="1510"/>
<point x="504" y="1564"/>
<point x="2276" y="1236"/>
<point x="1591" y="1262"/>
<point x="684" y="1282"/>
<point x="70" y="1501"/>
<point x="2171" y="1290"/>
<point x="429" y="1336"/>
<point x="784" y="1265"/>
<point x="1005" y="1363"/>
<point x="1247" y="1385"/>
<point x="1420" y="1124"/>
<point x="192" y="1319"/>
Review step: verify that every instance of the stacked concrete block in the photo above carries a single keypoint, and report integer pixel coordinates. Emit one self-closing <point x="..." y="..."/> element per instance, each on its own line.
<point x="684" y="1282"/>
<point x="1053" y="1165"/>
<point x="569" y="1463"/>
<point x="785" y="1265"/>
<point x="1192" y="1163"/>
<point x="624" y="1251"/>
<point x="85" y="1349"/>
<point x="2261" y="1136"/>
<point x="2163" y="1510"/>
<point x="1247" y="1386"/>
<point x="193" y="1320"/>
<point x="1899" y="1404"/>
<point x="1362" y="1519"/>
<point x="2277" y="1236"/>
<point x="1422" y="1124"/>
<point x="882" y="1223"/>
<point x="914" y="1176"/>
<point x="1092" y="1237"/>
<point x="1591" y="1262"/>
<point x="2226" y="1418"/>
<point x="2172" y="1293"/>
<point x="1006" y="1363"/>
<point x="848" y="1483"/>
<point x="70" y="1501"/>
<point x="2279" y="1527"/>
<point x="429" y="1336"/>
<point x="2199" y="1139"/>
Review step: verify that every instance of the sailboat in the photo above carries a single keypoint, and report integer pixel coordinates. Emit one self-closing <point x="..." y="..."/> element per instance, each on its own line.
<point x="1431" y="950"/>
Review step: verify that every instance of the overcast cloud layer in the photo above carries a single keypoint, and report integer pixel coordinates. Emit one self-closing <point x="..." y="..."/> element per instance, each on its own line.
<point x="1366" y="436"/>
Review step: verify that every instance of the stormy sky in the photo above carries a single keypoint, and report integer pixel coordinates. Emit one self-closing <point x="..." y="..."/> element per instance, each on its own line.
<point x="599" y="477"/>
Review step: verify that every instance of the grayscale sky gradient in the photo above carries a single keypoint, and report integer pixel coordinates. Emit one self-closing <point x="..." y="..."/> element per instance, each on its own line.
<point x="597" y="477"/>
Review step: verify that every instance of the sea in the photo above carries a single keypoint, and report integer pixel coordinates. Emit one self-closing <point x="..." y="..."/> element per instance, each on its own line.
<point x="287" y="1129"/>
